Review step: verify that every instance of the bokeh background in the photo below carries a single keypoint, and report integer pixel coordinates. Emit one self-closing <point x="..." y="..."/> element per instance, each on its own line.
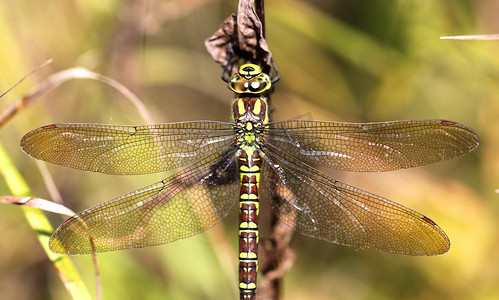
<point x="352" y="61"/>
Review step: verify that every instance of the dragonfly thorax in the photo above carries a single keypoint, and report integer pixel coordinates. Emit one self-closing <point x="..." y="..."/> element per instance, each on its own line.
<point x="249" y="134"/>
<point x="250" y="109"/>
<point x="250" y="116"/>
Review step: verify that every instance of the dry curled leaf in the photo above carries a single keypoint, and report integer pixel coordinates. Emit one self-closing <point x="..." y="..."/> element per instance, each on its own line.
<point x="240" y="37"/>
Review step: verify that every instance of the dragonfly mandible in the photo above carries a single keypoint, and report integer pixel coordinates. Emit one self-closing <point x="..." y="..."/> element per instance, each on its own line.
<point x="249" y="158"/>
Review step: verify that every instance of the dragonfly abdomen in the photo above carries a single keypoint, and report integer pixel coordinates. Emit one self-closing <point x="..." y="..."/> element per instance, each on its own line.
<point x="249" y="168"/>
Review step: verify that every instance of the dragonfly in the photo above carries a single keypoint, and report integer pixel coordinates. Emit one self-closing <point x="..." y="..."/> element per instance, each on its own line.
<point x="219" y="163"/>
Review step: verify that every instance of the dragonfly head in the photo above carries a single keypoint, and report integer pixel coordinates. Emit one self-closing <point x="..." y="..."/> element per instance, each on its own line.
<point x="249" y="79"/>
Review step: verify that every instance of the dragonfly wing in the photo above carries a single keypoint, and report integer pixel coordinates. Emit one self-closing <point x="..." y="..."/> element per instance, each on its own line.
<point x="114" y="149"/>
<point x="321" y="207"/>
<point x="367" y="147"/>
<point x="180" y="206"/>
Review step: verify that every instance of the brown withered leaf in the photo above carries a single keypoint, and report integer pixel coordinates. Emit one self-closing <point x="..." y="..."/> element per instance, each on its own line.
<point x="240" y="38"/>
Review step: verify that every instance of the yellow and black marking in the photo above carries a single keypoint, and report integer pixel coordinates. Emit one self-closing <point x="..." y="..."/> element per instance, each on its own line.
<point x="249" y="168"/>
<point x="250" y="115"/>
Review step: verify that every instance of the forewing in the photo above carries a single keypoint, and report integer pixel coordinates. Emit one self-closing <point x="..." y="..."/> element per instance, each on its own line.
<point x="367" y="147"/>
<point x="114" y="149"/>
<point x="180" y="206"/>
<point x="321" y="207"/>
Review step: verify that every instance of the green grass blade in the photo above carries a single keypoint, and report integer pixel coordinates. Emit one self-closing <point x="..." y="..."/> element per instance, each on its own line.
<point x="40" y="224"/>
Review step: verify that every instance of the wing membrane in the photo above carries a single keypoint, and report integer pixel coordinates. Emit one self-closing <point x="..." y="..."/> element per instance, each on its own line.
<point x="180" y="206"/>
<point x="114" y="149"/>
<point x="367" y="147"/>
<point x="321" y="207"/>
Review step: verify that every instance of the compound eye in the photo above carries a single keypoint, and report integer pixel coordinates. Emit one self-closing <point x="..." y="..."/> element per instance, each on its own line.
<point x="254" y="86"/>
<point x="238" y="85"/>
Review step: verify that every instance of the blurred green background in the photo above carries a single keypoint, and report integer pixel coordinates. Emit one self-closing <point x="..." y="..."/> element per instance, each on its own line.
<point x="352" y="61"/>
